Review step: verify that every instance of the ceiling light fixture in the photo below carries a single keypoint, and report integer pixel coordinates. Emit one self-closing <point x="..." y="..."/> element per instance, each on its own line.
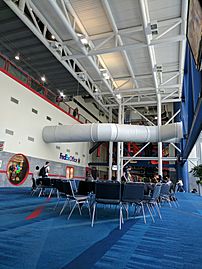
<point x="83" y="39"/>
<point x="105" y="74"/>
<point x="43" y="78"/>
<point x="62" y="94"/>
<point x="17" y="57"/>
<point x="118" y="96"/>
<point x="53" y="37"/>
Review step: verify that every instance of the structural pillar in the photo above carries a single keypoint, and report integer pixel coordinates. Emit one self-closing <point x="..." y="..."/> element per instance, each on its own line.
<point x="122" y="144"/>
<point x="119" y="149"/>
<point x="160" y="163"/>
<point x="110" y="149"/>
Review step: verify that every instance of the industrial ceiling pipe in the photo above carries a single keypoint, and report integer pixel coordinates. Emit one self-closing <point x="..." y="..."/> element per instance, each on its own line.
<point x="112" y="132"/>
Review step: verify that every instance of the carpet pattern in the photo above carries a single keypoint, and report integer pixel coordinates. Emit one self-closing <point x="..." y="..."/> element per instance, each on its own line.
<point x="48" y="240"/>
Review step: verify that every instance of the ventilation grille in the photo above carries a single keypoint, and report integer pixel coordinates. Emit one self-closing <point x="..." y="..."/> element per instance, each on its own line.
<point x="57" y="147"/>
<point x="48" y="118"/>
<point x="14" y="100"/>
<point x="10" y="132"/>
<point x="59" y="123"/>
<point x="34" y="111"/>
<point x="31" y="138"/>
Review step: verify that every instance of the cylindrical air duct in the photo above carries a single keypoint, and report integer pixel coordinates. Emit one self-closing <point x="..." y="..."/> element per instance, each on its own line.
<point x="112" y="132"/>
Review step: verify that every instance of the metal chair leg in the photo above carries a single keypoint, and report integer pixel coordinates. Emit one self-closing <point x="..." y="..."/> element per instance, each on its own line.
<point x="120" y="217"/>
<point x="93" y="216"/>
<point x="158" y="210"/>
<point x="49" y="196"/>
<point x="65" y="204"/>
<point x="57" y="203"/>
<point x="78" y="204"/>
<point x="72" y="209"/>
<point x="150" y="213"/>
<point x="143" y="213"/>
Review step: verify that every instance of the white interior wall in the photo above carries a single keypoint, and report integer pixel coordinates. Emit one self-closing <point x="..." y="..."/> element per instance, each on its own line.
<point x="20" y="119"/>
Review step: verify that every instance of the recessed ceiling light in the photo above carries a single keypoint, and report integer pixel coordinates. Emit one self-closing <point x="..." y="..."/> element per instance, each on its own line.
<point x="17" y="57"/>
<point x="83" y="39"/>
<point x="62" y="94"/>
<point x="118" y="96"/>
<point x="106" y="74"/>
<point x="43" y="78"/>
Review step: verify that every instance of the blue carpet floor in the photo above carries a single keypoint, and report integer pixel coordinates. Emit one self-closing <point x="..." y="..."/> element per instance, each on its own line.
<point x="51" y="241"/>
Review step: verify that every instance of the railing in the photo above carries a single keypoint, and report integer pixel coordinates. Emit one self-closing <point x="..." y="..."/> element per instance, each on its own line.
<point x="38" y="87"/>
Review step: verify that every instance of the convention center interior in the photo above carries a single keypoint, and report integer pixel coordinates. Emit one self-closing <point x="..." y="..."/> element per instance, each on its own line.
<point x="101" y="134"/>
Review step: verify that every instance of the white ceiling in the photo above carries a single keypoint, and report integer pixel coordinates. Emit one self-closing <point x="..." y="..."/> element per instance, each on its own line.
<point x="120" y="41"/>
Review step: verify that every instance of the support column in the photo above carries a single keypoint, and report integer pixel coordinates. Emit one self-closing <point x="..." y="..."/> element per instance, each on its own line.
<point x="119" y="150"/>
<point x="160" y="163"/>
<point x="122" y="144"/>
<point x="110" y="149"/>
<point x="183" y="173"/>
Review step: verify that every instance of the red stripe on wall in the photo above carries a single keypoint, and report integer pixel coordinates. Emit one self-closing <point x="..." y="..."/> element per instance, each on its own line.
<point x="51" y="175"/>
<point x="55" y="175"/>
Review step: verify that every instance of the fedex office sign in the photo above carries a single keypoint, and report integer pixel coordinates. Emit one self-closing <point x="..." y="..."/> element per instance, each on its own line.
<point x="67" y="157"/>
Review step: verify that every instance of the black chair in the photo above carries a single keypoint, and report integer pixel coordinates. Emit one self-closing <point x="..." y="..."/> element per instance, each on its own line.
<point x="87" y="188"/>
<point x="108" y="193"/>
<point x="59" y="185"/>
<point x="165" y="193"/>
<point x="152" y="201"/>
<point x="76" y="198"/>
<point x="133" y="194"/>
<point x="83" y="187"/>
<point x="43" y="184"/>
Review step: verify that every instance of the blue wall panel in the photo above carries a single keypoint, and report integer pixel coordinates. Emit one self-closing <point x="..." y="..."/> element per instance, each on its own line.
<point x="191" y="113"/>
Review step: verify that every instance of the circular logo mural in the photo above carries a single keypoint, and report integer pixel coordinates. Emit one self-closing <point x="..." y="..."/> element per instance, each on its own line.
<point x="17" y="169"/>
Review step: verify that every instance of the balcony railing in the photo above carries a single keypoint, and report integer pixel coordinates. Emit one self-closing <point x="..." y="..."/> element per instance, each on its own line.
<point x="31" y="83"/>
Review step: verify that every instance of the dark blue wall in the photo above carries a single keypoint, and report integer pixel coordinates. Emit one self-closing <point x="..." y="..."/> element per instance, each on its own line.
<point x="191" y="113"/>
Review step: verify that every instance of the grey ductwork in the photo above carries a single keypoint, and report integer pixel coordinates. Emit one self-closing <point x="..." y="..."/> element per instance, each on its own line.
<point x="112" y="132"/>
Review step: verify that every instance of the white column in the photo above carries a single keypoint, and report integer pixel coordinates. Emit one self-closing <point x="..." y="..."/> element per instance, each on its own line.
<point x="122" y="144"/>
<point x="110" y="148"/>
<point x="119" y="150"/>
<point x="160" y="165"/>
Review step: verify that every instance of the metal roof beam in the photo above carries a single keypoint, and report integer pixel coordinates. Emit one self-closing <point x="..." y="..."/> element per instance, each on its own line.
<point x="134" y="29"/>
<point x="115" y="30"/>
<point x="183" y="43"/>
<point x="88" y="87"/>
<point x="138" y="45"/>
<point x="148" y="103"/>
